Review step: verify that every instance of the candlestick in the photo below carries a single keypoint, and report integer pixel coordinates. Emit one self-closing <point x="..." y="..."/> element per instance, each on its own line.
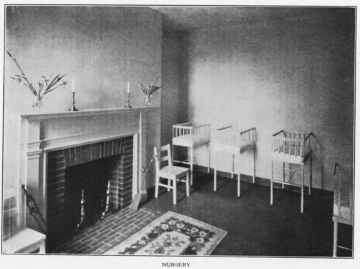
<point x="73" y="108"/>
<point x="128" y="87"/>
<point x="73" y="85"/>
<point x="128" y="101"/>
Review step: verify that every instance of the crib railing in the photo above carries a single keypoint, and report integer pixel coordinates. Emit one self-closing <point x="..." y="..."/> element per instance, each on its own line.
<point x="231" y="137"/>
<point x="249" y="134"/>
<point x="191" y="130"/>
<point x="182" y="129"/>
<point x="203" y="129"/>
<point x="291" y="143"/>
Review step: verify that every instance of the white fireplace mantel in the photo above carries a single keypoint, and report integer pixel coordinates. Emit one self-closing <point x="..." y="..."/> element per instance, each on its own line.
<point x="45" y="132"/>
<point x="89" y="112"/>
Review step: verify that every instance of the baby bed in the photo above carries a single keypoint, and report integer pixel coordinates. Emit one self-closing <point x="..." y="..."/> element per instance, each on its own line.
<point x="343" y="203"/>
<point x="294" y="148"/>
<point x="229" y="139"/>
<point x="190" y="135"/>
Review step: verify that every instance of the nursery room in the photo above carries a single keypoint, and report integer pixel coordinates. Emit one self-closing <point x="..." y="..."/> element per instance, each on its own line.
<point x="179" y="130"/>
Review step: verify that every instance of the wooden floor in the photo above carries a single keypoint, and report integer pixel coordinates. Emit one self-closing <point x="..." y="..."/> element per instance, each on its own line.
<point x="254" y="227"/>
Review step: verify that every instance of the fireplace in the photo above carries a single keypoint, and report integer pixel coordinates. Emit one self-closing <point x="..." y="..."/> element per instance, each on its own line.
<point x="86" y="183"/>
<point x="93" y="155"/>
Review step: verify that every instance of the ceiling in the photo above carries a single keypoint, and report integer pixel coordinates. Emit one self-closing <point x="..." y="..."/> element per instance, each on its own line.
<point x="197" y="17"/>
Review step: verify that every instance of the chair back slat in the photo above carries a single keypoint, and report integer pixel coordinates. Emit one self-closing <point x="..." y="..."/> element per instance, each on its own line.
<point x="162" y="148"/>
<point x="163" y="156"/>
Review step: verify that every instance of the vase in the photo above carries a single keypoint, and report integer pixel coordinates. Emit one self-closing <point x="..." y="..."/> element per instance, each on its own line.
<point x="37" y="103"/>
<point x="147" y="100"/>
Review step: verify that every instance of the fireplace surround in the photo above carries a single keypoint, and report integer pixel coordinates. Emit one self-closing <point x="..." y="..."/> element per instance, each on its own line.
<point x="52" y="143"/>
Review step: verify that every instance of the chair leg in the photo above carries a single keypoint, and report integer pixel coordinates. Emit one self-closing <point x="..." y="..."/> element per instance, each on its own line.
<point x="169" y="184"/>
<point x="191" y="165"/>
<point x="271" y="183"/>
<point x="187" y="184"/>
<point x="335" y="238"/>
<point x="174" y="191"/>
<point x="302" y="189"/>
<point x="42" y="248"/>
<point x="156" y="186"/>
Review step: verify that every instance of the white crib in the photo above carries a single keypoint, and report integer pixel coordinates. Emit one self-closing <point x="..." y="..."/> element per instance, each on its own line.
<point x="343" y="202"/>
<point x="293" y="148"/>
<point x="191" y="135"/>
<point x="231" y="140"/>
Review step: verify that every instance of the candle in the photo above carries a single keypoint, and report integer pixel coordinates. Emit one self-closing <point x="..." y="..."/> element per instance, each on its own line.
<point x="73" y="85"/>
<point x="128" y="87"/>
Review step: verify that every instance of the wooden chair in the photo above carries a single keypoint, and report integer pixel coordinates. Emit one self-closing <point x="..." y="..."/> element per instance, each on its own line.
<point x="343" y="202"/>
<point x="171" y="172"/>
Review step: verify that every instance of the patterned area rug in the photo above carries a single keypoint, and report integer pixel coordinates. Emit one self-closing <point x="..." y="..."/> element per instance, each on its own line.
<point x="172" y="234"/>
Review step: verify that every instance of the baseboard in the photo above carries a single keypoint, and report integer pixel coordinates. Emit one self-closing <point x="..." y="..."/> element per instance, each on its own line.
<point x="259" y="180"/>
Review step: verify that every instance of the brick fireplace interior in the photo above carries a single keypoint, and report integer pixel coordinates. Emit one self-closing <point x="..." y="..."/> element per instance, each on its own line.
<point x="85" y="184"/>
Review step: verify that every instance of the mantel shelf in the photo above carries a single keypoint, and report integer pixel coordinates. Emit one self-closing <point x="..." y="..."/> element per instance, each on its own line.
<point x="89" y="112"/>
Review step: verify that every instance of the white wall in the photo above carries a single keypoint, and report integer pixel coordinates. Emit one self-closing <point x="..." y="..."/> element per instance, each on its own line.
<point x="296" y="75"/>
<point x="102" y="48"/>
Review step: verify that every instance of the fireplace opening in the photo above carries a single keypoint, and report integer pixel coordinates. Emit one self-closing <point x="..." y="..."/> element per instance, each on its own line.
<point x="85" y="184"/>
<point x="87" y="193"/>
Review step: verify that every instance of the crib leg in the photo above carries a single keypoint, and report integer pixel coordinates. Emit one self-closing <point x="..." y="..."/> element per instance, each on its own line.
<point x="233" y="166"/>
<point x="214" y="170"/>
<point x="209" y="158"/>
<point x="254" y="167"/>
<point x="283" y="170"/>
<point x="302" y="189"/>
<point x="173" y="152"/>
<point x="335" y="238"/>
<point x="310" y="183"/>
<point x="238" y="187"/>
<point x="191" y="165"/>
<point x="271" y="183"/>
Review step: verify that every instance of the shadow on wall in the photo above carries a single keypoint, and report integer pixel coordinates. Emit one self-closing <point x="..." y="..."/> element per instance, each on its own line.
<point x="184" y="69"/>
<point x="318" y="160"/>
<point x="175" y="78"/>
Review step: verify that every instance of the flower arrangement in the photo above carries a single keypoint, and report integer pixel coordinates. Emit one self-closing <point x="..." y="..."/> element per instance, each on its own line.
<point x="45" y="85"/>
<point x="149" y="90"/>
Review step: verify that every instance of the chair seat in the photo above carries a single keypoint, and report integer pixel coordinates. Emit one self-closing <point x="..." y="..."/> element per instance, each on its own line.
<point x="170" y="171"/>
